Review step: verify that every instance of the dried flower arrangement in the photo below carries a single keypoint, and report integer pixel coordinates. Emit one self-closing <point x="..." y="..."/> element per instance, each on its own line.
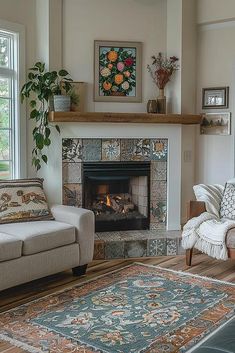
<point x="162" y="69"/>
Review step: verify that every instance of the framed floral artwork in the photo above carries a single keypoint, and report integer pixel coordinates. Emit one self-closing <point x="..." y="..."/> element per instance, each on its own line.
<point x="117" y="71"/>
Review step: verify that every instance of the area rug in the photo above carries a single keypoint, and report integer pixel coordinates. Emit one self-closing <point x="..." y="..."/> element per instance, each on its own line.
<point x="137" y="309"/>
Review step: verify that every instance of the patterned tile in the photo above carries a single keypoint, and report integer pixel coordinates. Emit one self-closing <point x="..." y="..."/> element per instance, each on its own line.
<point x="127" y="149"/>
<point x="111" y="150"/>
<point x="158" y="190"/>
<point x="99" y="249"/>
<point x="72" y="195"/>
<point x="158" y="212"/>
<point x="157" y="226"/>
<point x="91" y="149"/>
<point x="71" y="150"/>
<point x="135" y="248"/>
<point x="152" y="247"/>
<point x="171" y="246"/>
<point x="159" y="149"/>
<point x="114" y="250"/>
<point x="141" y="150"/>
<point x="72" y="172"/>
<point x="158" y="170"/>
<point x="161" y="247"/>
<point x="137" y="243"/>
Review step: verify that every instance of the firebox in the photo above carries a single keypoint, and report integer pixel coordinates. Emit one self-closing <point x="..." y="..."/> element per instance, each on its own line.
<point x="118" y="194"/>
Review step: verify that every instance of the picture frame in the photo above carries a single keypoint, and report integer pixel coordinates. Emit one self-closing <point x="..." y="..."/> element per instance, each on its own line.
<point x="215" y="97"/>
<point x="117" y="71"/>
<point x="216" y="124"/>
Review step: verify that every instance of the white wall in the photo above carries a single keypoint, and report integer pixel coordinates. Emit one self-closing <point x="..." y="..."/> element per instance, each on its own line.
<point x="131" y="20"/>
<point x="216" y="67"/>
<point x="215" y="10"/>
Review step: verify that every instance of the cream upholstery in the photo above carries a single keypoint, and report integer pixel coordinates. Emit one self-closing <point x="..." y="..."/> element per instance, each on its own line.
<point x="30" y="267"/>
<point x="10" y="247"/>
<point x="40" y="236"/>
<point x="84" y="223"/>
<point x="30" y="250"/>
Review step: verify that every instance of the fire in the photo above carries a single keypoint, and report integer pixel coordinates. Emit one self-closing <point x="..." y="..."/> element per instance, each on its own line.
<point x="108" y="201"/>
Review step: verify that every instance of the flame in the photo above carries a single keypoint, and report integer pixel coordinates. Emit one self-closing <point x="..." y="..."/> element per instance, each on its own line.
<point x="108" y="201"/>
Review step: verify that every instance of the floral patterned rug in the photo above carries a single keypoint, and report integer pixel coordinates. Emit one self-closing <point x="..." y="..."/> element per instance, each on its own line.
<point x="137" y="309"/>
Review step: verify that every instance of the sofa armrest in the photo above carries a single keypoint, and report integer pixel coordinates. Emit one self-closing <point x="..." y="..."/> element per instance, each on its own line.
<point x="195" y="208"/>
<point x="84" y="222"/>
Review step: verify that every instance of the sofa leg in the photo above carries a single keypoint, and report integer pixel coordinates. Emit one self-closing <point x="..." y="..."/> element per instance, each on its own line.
<point x="79" y="270"/>
<point x="189" y="254"/>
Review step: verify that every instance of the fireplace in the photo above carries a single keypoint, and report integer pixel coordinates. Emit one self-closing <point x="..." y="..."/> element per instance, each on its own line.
<point x="118" y="193"/>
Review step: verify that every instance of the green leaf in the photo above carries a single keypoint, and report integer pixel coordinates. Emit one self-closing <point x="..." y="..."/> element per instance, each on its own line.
<point x="63" y="73"/>
<point x="34" y="114"/>
<point x="33" y="68"/>
<point x="44" y="158"/>
<point x="31" y="76"/>
<point x="41" y="66"/>
<point x="33" y="103"/>
<point x="47" y="132"/>
<point x="47" y="142"/>
<point x="34" y="131"/>
<point x="57" y="128"/>
<point x="39" y="141"/>
<point x="21" y="98"/>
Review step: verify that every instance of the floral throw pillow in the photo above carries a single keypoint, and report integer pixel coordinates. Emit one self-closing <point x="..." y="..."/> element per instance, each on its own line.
<point x="227" y="209"/>
<point x="23" y="200"/>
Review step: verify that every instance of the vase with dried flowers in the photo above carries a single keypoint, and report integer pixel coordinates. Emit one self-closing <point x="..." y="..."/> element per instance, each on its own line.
<point x="161" y="71"/>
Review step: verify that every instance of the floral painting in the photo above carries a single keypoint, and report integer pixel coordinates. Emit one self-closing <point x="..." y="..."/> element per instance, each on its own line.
<point x="117" y="71"/>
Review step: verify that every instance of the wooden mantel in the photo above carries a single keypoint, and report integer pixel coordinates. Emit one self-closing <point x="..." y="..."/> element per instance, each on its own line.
<point x="145" y="118"/>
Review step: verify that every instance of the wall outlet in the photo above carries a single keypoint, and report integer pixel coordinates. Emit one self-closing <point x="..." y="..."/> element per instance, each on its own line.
<point x="187" y="156"/>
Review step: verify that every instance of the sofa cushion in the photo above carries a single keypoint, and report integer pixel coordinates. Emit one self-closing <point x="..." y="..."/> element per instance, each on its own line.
<point x="23" y="200"/>
<point x="10" y="247"/>
<point x="40" y="235"/>
<point x="230" y="240"/>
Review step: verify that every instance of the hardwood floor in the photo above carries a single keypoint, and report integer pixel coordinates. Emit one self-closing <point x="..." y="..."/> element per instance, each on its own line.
<point x="202" y="265"/>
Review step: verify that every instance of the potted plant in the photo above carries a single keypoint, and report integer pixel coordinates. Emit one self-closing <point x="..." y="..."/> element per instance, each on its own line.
<point x="62" y="91"/>
<point x="41" y="87"/>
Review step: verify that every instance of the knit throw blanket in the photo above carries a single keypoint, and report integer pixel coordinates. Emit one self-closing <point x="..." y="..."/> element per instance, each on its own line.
<point x="208" y="234"/>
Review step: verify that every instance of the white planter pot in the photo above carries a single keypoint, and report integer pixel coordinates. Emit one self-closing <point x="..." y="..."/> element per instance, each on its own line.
<point x="62" y="103"/>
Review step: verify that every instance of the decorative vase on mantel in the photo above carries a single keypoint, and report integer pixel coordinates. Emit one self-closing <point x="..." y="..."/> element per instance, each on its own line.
<point x="161" y="102"/>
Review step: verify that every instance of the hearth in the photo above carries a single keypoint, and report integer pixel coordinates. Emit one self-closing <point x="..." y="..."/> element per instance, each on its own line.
<point x="118" y="194"/>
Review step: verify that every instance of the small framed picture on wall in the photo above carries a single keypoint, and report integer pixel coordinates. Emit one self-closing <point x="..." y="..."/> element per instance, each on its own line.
<point x="216" y="124"/>
<point x="215" y="97"/>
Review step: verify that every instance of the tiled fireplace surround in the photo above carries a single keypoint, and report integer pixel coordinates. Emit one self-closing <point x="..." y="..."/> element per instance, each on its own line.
<point x="108" y="245"/>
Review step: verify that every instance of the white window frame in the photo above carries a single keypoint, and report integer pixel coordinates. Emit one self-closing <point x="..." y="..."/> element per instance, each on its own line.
<point x="19" y="110"/>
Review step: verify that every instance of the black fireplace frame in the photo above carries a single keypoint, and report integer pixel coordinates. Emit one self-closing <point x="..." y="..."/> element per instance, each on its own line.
<point x="130" y="168"/>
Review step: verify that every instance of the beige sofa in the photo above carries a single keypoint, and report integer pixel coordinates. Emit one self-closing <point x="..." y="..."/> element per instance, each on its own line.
<point x="31" y="250"/>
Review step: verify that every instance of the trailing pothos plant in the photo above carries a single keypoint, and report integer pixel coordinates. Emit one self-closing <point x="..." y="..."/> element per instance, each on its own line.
<point x="40" y="87"/>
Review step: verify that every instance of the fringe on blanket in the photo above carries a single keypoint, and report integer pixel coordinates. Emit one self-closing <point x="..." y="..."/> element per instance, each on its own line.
<point x="217" y="251"/>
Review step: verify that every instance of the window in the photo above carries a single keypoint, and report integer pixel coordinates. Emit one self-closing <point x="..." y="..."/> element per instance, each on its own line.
<point x="10" y="125"/>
